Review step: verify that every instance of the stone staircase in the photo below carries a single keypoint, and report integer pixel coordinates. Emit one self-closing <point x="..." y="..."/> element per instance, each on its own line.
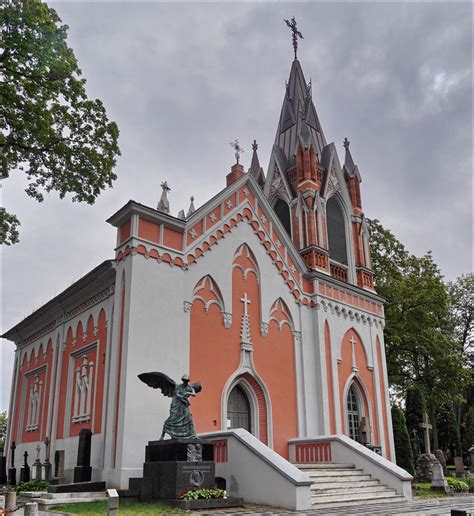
<point x="342" y="485"/>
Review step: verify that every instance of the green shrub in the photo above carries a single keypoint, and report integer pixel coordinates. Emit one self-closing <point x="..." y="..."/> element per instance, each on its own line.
<point x="403" y="450"/>
<point x="469" y="480"/>
<point x="458" y="486"/>
<point x="33" y="485"/>
<point x="196" y="494"/>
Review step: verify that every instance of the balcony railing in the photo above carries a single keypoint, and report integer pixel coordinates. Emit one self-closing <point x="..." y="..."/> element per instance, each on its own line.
<point x="339" y="271"/>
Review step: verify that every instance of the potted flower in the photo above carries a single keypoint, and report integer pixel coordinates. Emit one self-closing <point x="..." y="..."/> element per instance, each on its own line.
<point x="10" y="498"/>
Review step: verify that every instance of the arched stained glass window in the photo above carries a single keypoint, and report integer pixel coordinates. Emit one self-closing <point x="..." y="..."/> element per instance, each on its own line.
<point x="336" y="231"/>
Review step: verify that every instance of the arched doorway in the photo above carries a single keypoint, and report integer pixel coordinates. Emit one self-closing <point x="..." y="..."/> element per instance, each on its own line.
<point x="353" y="413"/>
<point x="238" y="410"/>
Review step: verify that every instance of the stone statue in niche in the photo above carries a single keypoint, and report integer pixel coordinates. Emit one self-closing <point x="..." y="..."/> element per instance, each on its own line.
<point x="180" y="421"/>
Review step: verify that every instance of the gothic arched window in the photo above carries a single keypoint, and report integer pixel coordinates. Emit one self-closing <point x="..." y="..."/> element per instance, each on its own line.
<point x="336" y="231"/>
<point x="283" y="213"/>
<point x="353" y="413"/>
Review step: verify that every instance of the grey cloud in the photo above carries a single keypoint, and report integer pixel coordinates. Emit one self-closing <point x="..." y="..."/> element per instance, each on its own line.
<point x="183" y="80"/>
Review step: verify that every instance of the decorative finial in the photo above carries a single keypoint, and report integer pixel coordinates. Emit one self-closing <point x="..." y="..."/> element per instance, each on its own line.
<point x="164" y="205"/>
<point x="192" y="209"/>
<point x="296" y="34"/>
<point x="238" y="149"/>
<point x="346" y="143"/>
<point x="254" y="145"/>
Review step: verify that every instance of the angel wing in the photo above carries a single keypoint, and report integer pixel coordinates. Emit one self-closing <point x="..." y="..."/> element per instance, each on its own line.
<point x="159" y="381"/>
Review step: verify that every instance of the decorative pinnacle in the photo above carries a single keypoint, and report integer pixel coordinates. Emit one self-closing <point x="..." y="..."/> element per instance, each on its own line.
<point x="296" y="33"/>
<point x="237" y="148"/>
<point x="165" y="186"/>
<point x="346" y="143"/>
<point x="254" y="145"/>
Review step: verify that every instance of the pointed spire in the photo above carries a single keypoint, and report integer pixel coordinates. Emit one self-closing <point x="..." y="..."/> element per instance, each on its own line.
<point x="255" y="169"/>
<point x="298" y="112"/>
<point x="191" y="209"/>
<point x="164" y="205"/>
<point x="181" y="215"/>
<point x="348" y="161"/>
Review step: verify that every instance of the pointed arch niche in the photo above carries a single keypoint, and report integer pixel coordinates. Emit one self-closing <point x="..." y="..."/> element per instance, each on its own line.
<point x="354" y="371"/>
<point x="283" y="212"/>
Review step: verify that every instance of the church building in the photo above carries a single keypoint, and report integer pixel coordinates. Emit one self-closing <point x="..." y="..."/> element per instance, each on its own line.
<point x="264" y="294"/>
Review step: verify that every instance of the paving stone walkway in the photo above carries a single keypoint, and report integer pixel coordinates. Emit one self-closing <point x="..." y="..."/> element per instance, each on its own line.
<point x="440" y="507"/>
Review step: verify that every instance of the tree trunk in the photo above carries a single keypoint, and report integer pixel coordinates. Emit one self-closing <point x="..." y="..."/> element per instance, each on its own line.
<point x="434" y="430"/>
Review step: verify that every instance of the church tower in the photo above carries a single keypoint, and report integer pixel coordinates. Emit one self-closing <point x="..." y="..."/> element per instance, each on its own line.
<point x="317" y="200"/>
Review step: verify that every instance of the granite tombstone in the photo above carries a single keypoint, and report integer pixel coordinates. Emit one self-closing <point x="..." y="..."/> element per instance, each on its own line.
<point x="83" y="470"/>
<point x="12" y="469"/>
<point x="25" y="469"/>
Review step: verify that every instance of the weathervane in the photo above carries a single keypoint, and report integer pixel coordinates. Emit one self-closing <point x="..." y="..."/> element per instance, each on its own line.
<point x="238" y="149"/>
<point x="296" y="33"/>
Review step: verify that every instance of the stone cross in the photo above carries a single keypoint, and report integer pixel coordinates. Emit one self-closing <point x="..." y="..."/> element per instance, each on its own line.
<point x="38" y="450"/>
<point x="13" y="448"/>
<point x="46" y="452"/>
<point x="425" y="425"/>
<point x="37" y="465"/>
<point x="237" y="148"/>
<point x="246" y="301"/>
<point x="353" y="342"/>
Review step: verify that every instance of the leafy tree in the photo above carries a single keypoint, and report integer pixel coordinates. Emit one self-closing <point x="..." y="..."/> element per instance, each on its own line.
<point x="401" y="438"/>
<point x="469" y="430"/>
<point x="419" y="344"/>
<point x="461" y="312"/>
<point x="3" y="429"/>
<point x="49" y="128"/>
<point x="414" y="408"/>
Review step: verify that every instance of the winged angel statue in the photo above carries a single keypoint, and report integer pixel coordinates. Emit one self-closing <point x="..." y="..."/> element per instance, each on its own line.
<point x="180" y="421"/>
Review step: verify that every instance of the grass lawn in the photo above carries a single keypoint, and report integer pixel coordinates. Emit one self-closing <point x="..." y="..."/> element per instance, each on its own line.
<point x="424" y="491"/>
<point x="100" y="508"/>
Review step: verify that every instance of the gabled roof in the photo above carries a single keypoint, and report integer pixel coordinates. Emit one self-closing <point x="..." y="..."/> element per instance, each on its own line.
<point x="298" y="118"/>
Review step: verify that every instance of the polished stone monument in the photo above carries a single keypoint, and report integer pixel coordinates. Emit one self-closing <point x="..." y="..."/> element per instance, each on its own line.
<point x="83" y="470"/>
<point x="12" y="469"/>
<point x="3" y="470"/>
<point x="183" y="463"/>
<point x="175" y="466"/>
<point x="25" y="469"/>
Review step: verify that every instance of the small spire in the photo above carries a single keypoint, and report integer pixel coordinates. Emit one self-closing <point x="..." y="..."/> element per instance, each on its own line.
<point x="181" y="215"/>
<point x="237" y="148"/>
<point x="348" y="161"/>
<point x="346" y="143"/>
<point x="296" y="34"/>
<point x="191" y="209"/>
<point x="164" y="205"/>
<point x="255" y="169"/>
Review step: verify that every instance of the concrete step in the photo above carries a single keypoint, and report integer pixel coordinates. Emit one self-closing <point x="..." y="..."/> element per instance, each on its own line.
<point x="44" y="503"/>
<point x="354" y="491"/>
<point x="63" y="496"/>
<point x="334" y="475"/>
<point x="324" y="466"/>
<point x="352" y="496"/>
<point x="345" y="482"/>
<point x="348" y="502"/>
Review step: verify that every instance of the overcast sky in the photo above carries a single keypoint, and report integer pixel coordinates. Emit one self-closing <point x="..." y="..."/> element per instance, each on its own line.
<point x="183" y="80"/>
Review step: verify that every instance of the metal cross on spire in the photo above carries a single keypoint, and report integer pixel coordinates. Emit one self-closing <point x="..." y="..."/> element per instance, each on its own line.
<point x="237" y="148"/>
<point x="296" y="33"/>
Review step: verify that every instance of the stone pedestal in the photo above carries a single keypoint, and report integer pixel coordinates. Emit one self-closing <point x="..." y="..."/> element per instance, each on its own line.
<point x="442" y="460"/>
<point x="12" y="476"/>
<point x="423" y="467"/>
<point x="175" y="466"/>
<point x="47" y="474"/>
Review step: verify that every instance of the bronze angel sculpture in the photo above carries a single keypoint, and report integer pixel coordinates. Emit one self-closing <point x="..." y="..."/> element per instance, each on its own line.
<point x="180" y="421"/>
